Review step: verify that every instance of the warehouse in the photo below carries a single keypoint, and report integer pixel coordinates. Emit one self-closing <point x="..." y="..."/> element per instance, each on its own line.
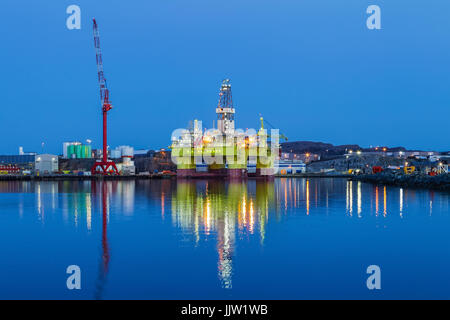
<point x="46" y="164"/>
<point x="24" y="162"/>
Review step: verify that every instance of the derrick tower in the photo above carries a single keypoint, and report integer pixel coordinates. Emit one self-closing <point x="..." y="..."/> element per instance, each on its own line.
<point x="225" y="109"/>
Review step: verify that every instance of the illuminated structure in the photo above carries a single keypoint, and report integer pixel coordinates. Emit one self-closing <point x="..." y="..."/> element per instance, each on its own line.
<point x="225" y="110"/>
<point x="225" y="150"/>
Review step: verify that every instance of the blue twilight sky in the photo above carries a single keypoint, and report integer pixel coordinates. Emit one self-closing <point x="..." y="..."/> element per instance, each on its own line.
<point x="311" y="67"/>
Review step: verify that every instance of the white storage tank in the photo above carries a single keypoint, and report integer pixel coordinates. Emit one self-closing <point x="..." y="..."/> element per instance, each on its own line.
<point x="127" y="151"/>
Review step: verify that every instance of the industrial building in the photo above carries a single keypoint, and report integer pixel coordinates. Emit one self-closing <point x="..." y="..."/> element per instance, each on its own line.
<point x="28" y="163"/>
<point x="122" y="151"/>
<point x="125" y="153"/>
<point x="23" y="153"/>
<point x="23" y="162"/>
<point x="144" y="153"/>
<point x="46" y="164"/>
<point x="290" y="167"/>
<point x="126" y="167"/>
<point x="304" y="157"/>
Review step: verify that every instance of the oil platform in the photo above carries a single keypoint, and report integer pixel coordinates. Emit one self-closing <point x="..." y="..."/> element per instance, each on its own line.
<point x="225" y="151"/>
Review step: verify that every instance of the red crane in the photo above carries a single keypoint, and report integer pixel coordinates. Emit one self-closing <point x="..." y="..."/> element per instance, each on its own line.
<point x="104" y="166"/>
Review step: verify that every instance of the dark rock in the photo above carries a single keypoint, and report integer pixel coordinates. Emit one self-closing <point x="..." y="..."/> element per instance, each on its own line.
<point x="415" y="180"/>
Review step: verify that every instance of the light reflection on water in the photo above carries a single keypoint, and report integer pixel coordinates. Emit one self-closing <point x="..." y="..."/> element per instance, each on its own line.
<point x="224" y="210"/>
<point x="229" y="214"/>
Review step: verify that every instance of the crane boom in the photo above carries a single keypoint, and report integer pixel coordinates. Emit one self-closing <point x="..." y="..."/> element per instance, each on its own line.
<point x="98" y="55"/>
<point x="282" y="136"/>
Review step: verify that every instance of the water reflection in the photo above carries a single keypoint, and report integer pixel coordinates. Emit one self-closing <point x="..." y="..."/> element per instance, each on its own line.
<point x="359" y="199"/>
<point x="223" y="209"/>
<point x="431" y="202"/>
<point x="211" y="211"/>
<point x="307" y="197"/>
<point x="401" y="202"/>
<point x="350" y="197"/>
<point x="103" y="195"/>
<point x="377" y="203"/>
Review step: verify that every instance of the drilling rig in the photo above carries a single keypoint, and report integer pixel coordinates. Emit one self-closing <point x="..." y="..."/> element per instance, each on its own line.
<point x="103" y="166"/>
<point x="225" y="109"/>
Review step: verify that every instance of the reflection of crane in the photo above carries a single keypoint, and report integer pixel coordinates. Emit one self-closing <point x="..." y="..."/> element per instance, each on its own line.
<point x="104" y="265"/>
<point x="104" y="166"/>
<point x="282" y="136"/>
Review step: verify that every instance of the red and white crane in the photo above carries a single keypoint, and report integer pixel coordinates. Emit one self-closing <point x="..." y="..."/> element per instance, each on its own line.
<point x="104" y="166"/>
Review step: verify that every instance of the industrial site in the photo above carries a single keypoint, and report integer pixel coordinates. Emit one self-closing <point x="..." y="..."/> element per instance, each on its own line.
<point x="225" y="158"/>
<point x="222" y="151"/>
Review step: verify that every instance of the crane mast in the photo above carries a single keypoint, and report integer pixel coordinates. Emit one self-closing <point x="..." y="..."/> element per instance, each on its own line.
<point x="104" y="166"/>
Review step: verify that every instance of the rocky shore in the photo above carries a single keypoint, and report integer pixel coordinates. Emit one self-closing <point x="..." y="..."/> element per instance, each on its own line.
<point x="416" y="180"/>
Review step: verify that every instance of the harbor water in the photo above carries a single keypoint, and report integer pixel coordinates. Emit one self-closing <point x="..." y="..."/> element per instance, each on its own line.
<point x="214" y="239"/>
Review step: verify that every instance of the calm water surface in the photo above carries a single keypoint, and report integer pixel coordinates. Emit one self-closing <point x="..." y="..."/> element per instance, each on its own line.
<point x="163" y="239"/>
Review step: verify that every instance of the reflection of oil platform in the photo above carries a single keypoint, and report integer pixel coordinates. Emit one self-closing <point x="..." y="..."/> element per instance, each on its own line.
<point x="224" y="151"/>
<point x="223" y="210"/>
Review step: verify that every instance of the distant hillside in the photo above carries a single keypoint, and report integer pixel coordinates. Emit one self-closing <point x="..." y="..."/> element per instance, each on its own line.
<point x="329" y="151"/>
<point x="323" y="149"/>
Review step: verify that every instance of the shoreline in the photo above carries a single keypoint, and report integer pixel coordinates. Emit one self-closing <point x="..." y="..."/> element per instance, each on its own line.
<point x="148" y="177"/>
<point x="312" y="175"/>
<point x="413" y="181"/>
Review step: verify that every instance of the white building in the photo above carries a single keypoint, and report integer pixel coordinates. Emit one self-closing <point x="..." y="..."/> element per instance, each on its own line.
<point x="23" y="153"/>
<point x="290" y="167"/>
<point x="46" y="163"/>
